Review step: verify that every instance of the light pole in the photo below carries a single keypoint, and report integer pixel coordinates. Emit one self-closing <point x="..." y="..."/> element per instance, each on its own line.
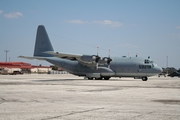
<point x="6" y="53"/>
<point x="167" y="64"/>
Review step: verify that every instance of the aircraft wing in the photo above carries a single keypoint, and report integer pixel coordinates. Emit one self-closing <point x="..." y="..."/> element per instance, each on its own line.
<point x="64" y="55"/>
<point x="89" y="60"/>
<point x="31" y="58"/>
<point x="84" y="59"/>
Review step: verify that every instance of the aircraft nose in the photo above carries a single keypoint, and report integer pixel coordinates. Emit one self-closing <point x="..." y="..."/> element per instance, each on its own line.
<point x="159" y="69"/>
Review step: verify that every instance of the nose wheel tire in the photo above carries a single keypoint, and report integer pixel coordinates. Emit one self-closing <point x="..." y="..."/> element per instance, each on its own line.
<point x="144" y="78"/>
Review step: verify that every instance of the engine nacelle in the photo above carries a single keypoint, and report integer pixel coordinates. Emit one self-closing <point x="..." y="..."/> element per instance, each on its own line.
<point x="96" y="58"/>
<point x="107" y="59"/>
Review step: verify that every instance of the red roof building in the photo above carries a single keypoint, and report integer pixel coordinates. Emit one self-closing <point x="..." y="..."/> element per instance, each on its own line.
<point x="15" y="65"/>
<point x="22" y="66"/>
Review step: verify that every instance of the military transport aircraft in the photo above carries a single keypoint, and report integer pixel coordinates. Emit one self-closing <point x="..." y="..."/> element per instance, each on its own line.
<point x="93" y="66"/>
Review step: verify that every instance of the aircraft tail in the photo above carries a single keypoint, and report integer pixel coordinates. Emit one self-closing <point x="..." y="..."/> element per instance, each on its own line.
<point x="43" y="43"/>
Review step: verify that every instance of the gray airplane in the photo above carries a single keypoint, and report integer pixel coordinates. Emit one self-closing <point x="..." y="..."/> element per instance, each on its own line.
<point x="93" y="66"/>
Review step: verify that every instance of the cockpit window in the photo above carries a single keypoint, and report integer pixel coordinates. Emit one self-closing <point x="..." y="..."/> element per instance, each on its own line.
<point x="146" y="61"/>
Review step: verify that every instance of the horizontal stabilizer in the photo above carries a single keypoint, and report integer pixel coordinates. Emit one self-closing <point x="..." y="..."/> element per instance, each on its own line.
<point x="32" y="58"/>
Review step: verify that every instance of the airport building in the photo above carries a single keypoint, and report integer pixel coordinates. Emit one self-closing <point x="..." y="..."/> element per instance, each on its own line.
<point x="12" y="67"/>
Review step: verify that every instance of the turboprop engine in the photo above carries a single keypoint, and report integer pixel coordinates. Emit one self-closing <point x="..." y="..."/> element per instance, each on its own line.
<point x="107" y="60"/>
<point x="91" y="59"/>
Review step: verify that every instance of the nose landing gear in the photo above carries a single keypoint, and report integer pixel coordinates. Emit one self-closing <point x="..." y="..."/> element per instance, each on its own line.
<point x="144" y="78"/>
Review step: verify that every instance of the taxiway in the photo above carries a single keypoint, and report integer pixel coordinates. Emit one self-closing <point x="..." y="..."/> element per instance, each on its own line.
<point x="68" y="97"/>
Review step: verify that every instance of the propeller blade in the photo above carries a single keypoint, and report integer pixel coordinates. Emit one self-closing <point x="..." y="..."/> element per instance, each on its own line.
<point x="109" y="52"/>
<point x="97" y="50"/>
<point x="109" y="66"/>
<point x="97" y="58"/>
<point x="108" y="62"/>
<point x="97" y="66"/>
<point x="109" y="58"/>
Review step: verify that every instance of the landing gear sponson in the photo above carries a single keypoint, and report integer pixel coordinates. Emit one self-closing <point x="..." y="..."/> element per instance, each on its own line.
<point x="107" y="78"/>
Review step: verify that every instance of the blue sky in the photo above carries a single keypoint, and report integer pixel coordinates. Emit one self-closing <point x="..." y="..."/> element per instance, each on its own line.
<point x="147" y="27"/>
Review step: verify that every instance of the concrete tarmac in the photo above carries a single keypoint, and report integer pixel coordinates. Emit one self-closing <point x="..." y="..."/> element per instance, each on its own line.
<point x="68" y="97"/>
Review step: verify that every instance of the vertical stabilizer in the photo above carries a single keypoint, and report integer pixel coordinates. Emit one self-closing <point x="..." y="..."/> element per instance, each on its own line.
<point x="43" y="43"/>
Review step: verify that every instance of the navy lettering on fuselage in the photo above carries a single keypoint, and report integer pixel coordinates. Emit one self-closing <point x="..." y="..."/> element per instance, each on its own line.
<point x="144" y="66"/>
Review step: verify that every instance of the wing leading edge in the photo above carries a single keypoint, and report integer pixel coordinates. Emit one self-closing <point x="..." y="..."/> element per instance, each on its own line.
<point x="83" y="59"/>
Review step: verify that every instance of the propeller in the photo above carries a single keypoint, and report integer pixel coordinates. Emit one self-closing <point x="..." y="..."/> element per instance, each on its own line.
<point x="108" y="59"/>
<point x="96" y="58"/>
<point x="136" y="54"/>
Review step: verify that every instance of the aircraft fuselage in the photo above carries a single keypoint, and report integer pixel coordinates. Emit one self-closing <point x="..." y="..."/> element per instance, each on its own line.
<point x="120" y="67"/>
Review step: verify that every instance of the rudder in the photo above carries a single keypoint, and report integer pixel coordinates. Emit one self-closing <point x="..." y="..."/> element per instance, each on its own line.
<point x="42" y="43"/>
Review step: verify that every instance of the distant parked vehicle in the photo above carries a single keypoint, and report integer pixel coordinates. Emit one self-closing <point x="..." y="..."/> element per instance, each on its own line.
<point x="174" y="74"/>
<point x="17" y="72"/>
<point x="164" y="72"/>
<point x="4" y="71"/>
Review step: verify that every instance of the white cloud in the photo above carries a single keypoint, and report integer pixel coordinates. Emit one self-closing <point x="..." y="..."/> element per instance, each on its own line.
<point x="177" y="27"/>
<point x="76" y="21"/>
<point x="13" y="15"/>
<point x="1" y="11"/>
<point x="109" y="22"/>
<point x="105" y="22"/>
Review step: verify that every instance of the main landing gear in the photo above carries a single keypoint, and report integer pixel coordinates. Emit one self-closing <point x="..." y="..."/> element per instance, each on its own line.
<point x="105" y="78"/>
